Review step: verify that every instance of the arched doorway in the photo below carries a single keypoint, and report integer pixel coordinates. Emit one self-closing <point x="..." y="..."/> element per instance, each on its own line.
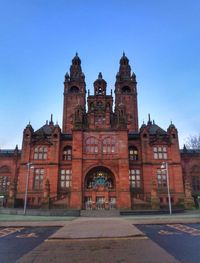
<point x="99" y="189"/>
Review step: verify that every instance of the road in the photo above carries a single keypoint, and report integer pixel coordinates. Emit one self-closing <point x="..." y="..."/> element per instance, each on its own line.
<point x="180" y="240"/>
<point x="169" y="243"/>
<point x="15" y="242"/>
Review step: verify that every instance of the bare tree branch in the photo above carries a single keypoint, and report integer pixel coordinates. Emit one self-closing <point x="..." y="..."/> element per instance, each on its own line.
<point x="193" y="142"/>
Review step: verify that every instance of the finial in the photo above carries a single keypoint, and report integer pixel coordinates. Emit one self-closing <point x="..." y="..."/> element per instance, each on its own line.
<point x="100" y="75"/>
<point x="111" y="92"/>
<point x="46" y="122"/>
<point x="29" y="123"/>
<point x="123" y="53"/>
<point x="88" y="92"/>
<point x="66" y="76"/>
<point x="149" y="121"/>
<point x="184" y="148"/>
<point x="51" y="120"/>
<point x="153" y="122"/>
<point x="76" y="54"/>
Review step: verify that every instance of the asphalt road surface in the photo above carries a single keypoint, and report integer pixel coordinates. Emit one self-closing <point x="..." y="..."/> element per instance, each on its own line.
<point x="15" y="242"/>
<point x="181" y="241"/>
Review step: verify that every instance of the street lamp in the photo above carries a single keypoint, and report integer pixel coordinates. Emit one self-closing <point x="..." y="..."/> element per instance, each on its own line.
<point x="29" y="165"/>
<point x="164" y="167"/>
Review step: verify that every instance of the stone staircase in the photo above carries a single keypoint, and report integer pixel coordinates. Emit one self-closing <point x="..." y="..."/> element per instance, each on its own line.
<point x="100" y="213"/>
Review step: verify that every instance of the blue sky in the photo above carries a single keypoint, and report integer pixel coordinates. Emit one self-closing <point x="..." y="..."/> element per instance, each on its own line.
<point x="38" y="39"/>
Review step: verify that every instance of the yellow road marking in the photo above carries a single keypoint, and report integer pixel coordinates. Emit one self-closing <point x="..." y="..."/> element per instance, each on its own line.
<point x="7" y="231"/>
<point x="186" y="229"/>
<point x="27" y="235"/>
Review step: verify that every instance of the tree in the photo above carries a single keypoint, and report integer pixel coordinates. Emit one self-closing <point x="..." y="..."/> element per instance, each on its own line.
<point x="193" y="142"/>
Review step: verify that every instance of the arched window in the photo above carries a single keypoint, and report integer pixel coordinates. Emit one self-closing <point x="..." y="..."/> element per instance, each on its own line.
<point x="67" y="153"/>
<point x="108" y="145"/>
<point x="40" y="153"/>
<point x="133" y="153"/>
<point x="74" y="89"/>
<point x="126" y="89"/>
<point x="91" y="145"/>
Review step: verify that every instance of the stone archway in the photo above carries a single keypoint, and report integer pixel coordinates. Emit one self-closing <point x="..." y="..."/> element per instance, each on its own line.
<point x="99" y="189"/>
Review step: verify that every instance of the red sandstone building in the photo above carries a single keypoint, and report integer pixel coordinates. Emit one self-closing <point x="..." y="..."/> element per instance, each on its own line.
<point x="100" y="159"/>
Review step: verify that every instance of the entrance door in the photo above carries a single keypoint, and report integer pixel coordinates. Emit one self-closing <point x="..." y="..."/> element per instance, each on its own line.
<point x="88" y="202"/>
<point x="112" y="203"/>
<point x="100" y="202"/>
<point x="99" y="185"/>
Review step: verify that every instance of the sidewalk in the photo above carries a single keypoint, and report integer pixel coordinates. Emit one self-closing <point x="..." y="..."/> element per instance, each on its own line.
<point x="85" y="228"/>
<point x="31" y="221"/>
<point x="189" y="217"/>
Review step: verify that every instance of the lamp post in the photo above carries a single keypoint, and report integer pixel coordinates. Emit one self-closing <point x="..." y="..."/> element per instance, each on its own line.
<point x="164" y="167"/>
<point x="26" y="189"/>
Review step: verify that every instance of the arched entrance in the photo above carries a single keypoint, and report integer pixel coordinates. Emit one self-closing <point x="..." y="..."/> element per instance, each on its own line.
<point x="99" y="189"/>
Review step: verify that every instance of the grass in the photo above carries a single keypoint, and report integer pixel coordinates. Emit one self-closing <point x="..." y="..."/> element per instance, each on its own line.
<point x="6" y="217"/>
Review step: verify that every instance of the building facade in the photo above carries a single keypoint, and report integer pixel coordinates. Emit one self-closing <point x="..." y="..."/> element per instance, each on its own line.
<point x="100" y="159"/>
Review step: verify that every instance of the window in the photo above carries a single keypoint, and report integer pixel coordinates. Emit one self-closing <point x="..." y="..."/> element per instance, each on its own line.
<point x="67" y="153"/>
<point x="126" y="89"/>
<point x="65" y="178"/>
<point x="108" y="145"/>
<point x="135" y="178"/>
<point x="38" y="179"/>
<point x="40" y="153"/>
<point x="4" y="183"/>
<point x="99" y="120"/>
<point x="160" y="152"/>
<point x="133" y="153"/>
<point x="74" y="89"/>
<point x="91" y="145"/>
<point x="195" y="174"/>
<point x="196" y="183"/>
<point x="162" y="178"/>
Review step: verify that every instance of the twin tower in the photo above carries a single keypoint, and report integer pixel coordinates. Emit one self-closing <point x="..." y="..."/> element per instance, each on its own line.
<point x="100" y="114"/>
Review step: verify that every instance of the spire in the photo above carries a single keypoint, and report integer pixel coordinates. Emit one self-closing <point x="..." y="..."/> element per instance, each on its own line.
<point x="149" y="121"/>
<point x="124" y="60"/>
<point x="76" y="70"/>
<point x="51" y="120"/>
<point x="100" y="75"/>
<point x="124" y="69"/>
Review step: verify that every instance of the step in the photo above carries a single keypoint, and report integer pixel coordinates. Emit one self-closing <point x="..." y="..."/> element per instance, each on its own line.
<point x="100" y="213"/>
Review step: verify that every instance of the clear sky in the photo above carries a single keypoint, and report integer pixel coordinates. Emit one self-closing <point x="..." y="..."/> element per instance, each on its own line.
<point x="38" y="39"/>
